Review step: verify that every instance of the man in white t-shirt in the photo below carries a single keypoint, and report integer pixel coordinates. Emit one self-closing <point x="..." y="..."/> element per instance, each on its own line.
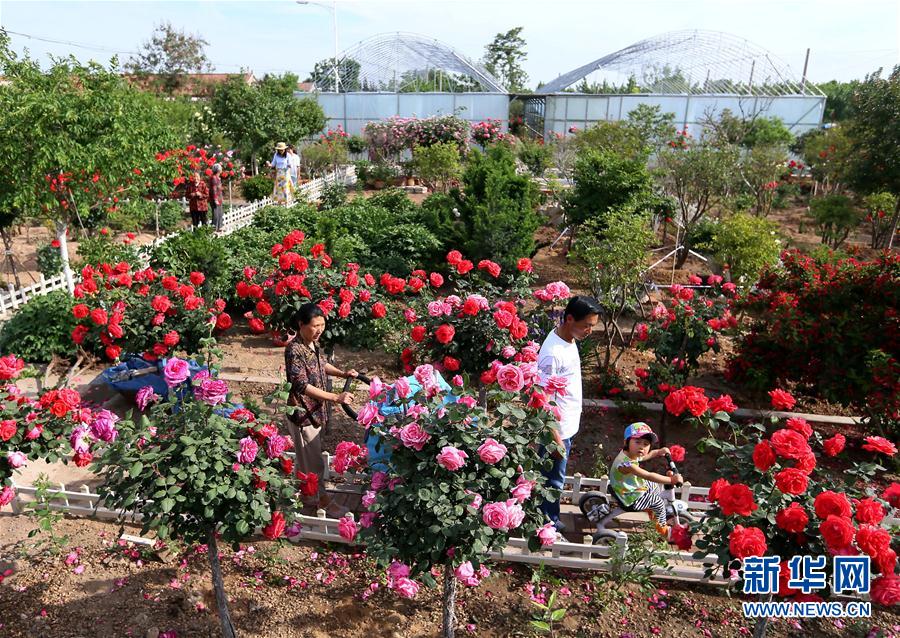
<point x="559" y="357"/>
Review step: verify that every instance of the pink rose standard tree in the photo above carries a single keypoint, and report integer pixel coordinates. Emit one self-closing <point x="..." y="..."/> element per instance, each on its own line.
<point x="778" y="501"/>
<point x="199" y="469"/>
<point x="460" y="482"/>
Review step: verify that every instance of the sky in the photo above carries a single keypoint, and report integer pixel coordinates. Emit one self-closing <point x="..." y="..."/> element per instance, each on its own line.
<point x="847" y="39"/>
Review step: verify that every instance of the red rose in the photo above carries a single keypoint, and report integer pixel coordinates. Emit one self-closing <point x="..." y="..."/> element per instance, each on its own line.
<point x="378" y="310"/>
<point x="879" y="444"/>
<point x="518" y="329"/>
<point x="492" y="268"/>
<point x="677" y="453"/>
<point x="115" y="330"/>
<point x="99" y="316"/>
<point x="464" y="266"/>
<point x="160" y="303"/>
<point x="7" y="429"/>
<point x="790" y="444"/>
<point x="834" y="445"/>
<point x="715" y="489"/>
<point x="470" y="307"/>
<point x="309" y="483"/>
<point x="799" y="425"/>
<point x="892" y="495"/>
<point x="171" y="338"/>
<point x="870" y="511"/>
<point x="736" y="499"/>
<point x="524" y="265"/>
<point x="885" y="590"/>
<point x="784" y="577"/>
<point x="169" y="282"/>
<point x="263" y="308"/>
<point x="792" y="519"/>
<point x="256" y="326"/>
<point x="78" y="334"/>
<point x="436" y="279"/>
<point x="676" y="403"/>
<point x="791" y="481"/>
<point x="722" y="403"/>
<point x="763" y="456"/>
<point x="418" y="333"/>
<point x="287" y="466"/>
<point x="454" y="257"/>
<point x="444" y="334"/>
<point x="451" y="364"/>
<point x="830" y="503"/>
<point x="782" y="400"/>
<point x="275" y="528"/>
<point x="874" y="541"/>
<point x="82" y="459"/>
<point x="837" y="532"/>
<point x="807" y="463"/>
<point x="197" y="278"/>
<point x="746" y="541"/>
<point x="223" y="321"/>
<point x="80" y="311"/>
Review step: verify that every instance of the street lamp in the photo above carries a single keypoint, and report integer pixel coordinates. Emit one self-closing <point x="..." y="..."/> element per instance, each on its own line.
<point x="333" y="9"/>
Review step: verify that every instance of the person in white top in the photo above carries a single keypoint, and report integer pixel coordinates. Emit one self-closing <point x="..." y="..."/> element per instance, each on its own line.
<point x="559" y="358"/>
<point x="294" y="164"/>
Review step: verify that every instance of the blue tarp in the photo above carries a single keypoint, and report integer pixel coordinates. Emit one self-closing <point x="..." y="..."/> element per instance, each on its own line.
<point x="122" y="377"/>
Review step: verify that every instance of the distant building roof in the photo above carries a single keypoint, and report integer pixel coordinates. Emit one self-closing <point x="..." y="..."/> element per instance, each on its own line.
<point x="306" y="87"/>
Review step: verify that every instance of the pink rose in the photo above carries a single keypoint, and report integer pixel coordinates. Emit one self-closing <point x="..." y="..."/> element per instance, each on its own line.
<point x="81" y="439"/>
<point x="556" y="385"/>
<point x="547" y="534"/>
<point x="464" y="571"/>
<point x="468" y="401"/>
<point x="176" y="371"/>
<point x="401" y="387"/>
<point x="247" y="452"/>
<point x="146" y="396"/>
<point x="496" y="516"/>
<point x="347" y="528"/>
<point x="522" y="491"/>
<point x="276" y="445"/>
<point x="508" y="352"/>
<point x="379" y="481"/>
<point x="457" y="380"/>
<point x="476" y="502"/>
<point x="414" y="436"/>
<point x="212" y="391"/>
<point x="104" y="426"/>
<point x="424" y="374"/>
<point x="397" y="570"/>
<point x="406" y="587"/>
<point x="7" y="494"/>
<point x="451" y="458"/>
<point x="368" y="499"/>
<point x="366" y="519"/>
<point x="369" y="414"/>
<point x="491" y="451"/>
<point x="376" y="387"/>
<point x="16" y="459"/>
<point x="510" y="378"/>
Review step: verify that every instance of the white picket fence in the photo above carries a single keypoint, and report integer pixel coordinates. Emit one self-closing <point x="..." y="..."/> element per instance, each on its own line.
<point x="235" y="218"/>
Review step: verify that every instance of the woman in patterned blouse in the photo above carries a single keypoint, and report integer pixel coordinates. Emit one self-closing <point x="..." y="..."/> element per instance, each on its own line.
<point x="307" y="372"/>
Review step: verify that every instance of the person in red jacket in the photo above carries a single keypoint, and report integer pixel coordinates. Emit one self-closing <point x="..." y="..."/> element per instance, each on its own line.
<point x="198" y="199"/>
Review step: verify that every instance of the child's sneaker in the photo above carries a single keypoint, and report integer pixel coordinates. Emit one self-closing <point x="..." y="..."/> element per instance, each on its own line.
<point x="664" y="530"/>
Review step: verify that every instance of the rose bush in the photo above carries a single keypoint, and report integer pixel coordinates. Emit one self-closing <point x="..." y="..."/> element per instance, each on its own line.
<point x="464" y="486"/>
<point x="199" y="468"/>
<point x="782" y="503"/>
<point x="123" y="310"/>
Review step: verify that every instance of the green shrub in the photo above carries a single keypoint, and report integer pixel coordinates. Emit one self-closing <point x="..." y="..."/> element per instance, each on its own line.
<point x="536" y="157"/>
<point x="785" y="195"/>
<point x="49" y="260"/>
<point x="131" y="215"/>
<point x="834" y="217"/>
<point x="395" y="201"/>
<point x="436" y="214"/>
<point x="356" y="144"/>
<point x="437" y="164"/>
<point x="256" y="188"/>
<point x="197" y="250"/>
<point x="497" y="208"/>
<point x="334" y="194"/>
<point x="748" y="244"/>
<point x="280" y="220"/>
<point x="171" y="212"/>
<point x="101" y="249"/>
<point x="603" y="181"/>
<point x="363" y="171"/>
<point x="40" y="329"/>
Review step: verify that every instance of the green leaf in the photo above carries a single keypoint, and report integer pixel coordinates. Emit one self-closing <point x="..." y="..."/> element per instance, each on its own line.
<point x="166" y="505"/>
<point x="540" y="624"/>
<point x="558" y="614"/>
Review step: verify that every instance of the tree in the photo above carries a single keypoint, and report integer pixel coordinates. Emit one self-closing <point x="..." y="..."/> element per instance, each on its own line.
<point x="75" y="137"/>
<point x="620" y="138"/>
<point x="605" y="180"/>
<point x="256" y="117"/>
<point x="828" y="155"/>
<point x="170" y="54"/>
<point x="698" y="177"/>
<point x="760" y="168"/>
<point x="652" y="126"/>
<point x="503" y="58"/>
<point x="875" y="138"/>
<point x="834" y="216"/>
<point x="839" y="99"/>
<point x="746" y="243"/>
<point x="348" y="75"/>
<point x="437" y="164"/>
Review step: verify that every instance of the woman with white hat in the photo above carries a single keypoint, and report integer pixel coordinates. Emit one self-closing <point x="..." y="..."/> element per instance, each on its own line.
<point x="283" y="193"/>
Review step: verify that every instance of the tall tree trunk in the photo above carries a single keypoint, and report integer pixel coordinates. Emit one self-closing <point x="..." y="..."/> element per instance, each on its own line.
<point x="449" y="602"/>
<point x="7" y="243"/>
<point x="61" y="228"/>
<point x="219" y="588"/>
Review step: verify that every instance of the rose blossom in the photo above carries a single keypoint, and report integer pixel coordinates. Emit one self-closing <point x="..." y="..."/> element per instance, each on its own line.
<point x="522" y="490"/>
<point x="276" y="445"/>
<point x="414" y="436"/>
<point x="6" y="495"/>
<point x="547" y="535"/>
<point x="510" y="378"/>
<point x="248" y="450"/>
<point x="347" y="528"/>
<point x="104" y="426"/>
<point x="176" y="371"/>
<point x="212" y="391"/>
<point x="401" y="387"/>
<point x="16" y="459"/>
<point x="503" y="516"/>
<point x="369" y="414"/>
<point x="406" y="588"/>
<point x="368" y="499"/>
<point x="397" y="570"/>
<point x="491" y="451"/>
<point x="451" y="458"/>
<point x="145" y="396"/>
